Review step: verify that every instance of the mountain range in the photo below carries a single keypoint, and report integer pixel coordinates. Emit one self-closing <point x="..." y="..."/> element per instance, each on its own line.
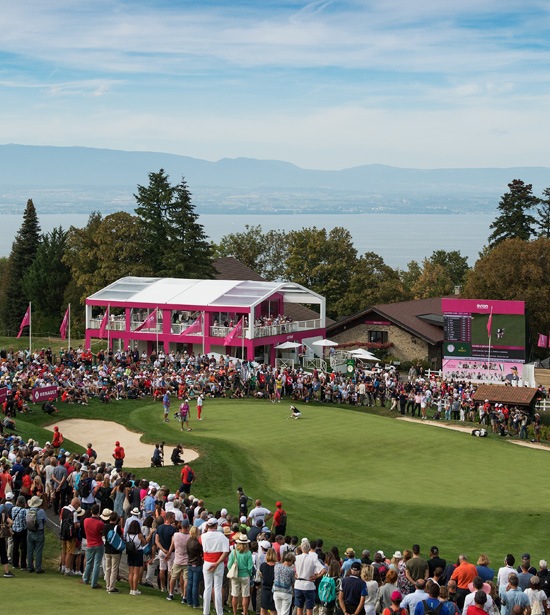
<point x="78" y="179"/>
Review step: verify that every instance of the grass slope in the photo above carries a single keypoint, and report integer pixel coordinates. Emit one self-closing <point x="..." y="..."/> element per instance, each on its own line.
<point x="354" y="478"/>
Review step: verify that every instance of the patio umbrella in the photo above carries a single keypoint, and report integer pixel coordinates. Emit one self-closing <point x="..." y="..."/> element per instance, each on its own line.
<point x="361" y="353"/>
<point x="325" y="343"/>
<point x="288" y="345"/>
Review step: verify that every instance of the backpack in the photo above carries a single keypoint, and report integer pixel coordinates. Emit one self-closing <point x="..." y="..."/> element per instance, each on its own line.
<point x="67" y="531"/>
<point x="190" y="475"/>
<point x="131" y="548"/>
<point x="86" y="487"/>
<point x="282" y="519"/>
<point x="327" y="590"/>
<point x="32" y="523"/>
<point x="115" y="540"/>
<point x="428" y="610"/>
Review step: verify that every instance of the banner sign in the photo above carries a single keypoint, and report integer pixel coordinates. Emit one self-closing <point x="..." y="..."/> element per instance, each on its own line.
<point x="41" y="394"/>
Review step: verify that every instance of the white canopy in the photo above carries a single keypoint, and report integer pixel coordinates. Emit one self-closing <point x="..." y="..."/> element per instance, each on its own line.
<point x="288" y="345"/>
<point x="324" y="343"/>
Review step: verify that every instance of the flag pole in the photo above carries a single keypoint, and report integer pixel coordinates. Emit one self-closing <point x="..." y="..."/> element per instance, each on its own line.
<point x="203" y="314"/>
<point x="69" y="325"/>
<point x="108" y="328"/>
<point x="490" y="327"/>
<point x="30" y="330"/>
<point x="242" y="339"/>
<point x="157" y="331"/>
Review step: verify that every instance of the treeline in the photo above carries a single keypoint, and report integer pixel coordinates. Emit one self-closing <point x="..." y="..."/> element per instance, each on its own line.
<point x="164" y="238"/>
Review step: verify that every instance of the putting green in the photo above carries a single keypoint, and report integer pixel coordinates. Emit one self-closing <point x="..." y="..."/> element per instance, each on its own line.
<point x="371" y="481"/>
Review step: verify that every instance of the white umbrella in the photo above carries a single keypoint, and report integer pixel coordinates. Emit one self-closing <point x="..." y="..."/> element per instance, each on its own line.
<point x="360" y="353"/>
<point x="325" y="343"/>
<point x="288" y="345"/>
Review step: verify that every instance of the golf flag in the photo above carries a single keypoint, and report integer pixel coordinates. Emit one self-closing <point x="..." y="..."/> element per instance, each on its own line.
<point x="65" y="324"/>
<point x="25" y="322"/>
<point x="543" y="341"/>
<point x="194" y="327"/>
<point x="490" y="323"/>
<point x="235" y="332"/>
<point x="150" y="322"/>
<point x="104" y="323"/>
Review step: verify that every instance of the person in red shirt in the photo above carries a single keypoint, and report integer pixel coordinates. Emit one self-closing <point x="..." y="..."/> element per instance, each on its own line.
<point x="57" y="440"/>
<point x="119" y="455"/>
<point x="279" y="520"/>
<point x="477" y="608"/>
<point x="93" y="528"/>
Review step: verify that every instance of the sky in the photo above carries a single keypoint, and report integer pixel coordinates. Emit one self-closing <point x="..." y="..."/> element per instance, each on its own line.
<point x="322" y="84"/>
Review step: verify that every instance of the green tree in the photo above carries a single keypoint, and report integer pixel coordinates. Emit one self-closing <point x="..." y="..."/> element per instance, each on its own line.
<point x="455" y="265"/>
<point x="514" y="221"/>
<point x="46" y="281"/>
<point x="410" y="276"/>
<point x="371" y="282"/>
<point x="543" y="220"/>
<point x="265" y="253"/>
<point x="516" y="270"/>
<point x="23" y="253"/>
<point x="175" y="243"/>
<point x="322" y="262"/>
<point x="434" y="281"/>
<point x="105" y="250"/>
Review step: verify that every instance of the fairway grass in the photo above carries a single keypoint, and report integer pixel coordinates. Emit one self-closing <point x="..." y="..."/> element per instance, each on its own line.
<point x="354" y="478"/>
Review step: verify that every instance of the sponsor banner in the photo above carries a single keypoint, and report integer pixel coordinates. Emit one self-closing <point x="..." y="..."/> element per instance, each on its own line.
<point x="3" y="394"/>
<point x="479" y="370"/>
<point x="482" y="306"/>
<point x="41" y="394"/>
<point x="381" y="323"/>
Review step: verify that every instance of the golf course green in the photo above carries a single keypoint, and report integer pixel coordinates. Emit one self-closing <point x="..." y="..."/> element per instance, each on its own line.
<point x="353" y="478"/>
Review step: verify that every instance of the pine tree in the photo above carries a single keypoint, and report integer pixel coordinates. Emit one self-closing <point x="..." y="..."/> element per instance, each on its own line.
<point x="514" y="220"/>
<point x="23" y="253"/>
<point x="175" y="243"/>
<point x="543" y="219"/>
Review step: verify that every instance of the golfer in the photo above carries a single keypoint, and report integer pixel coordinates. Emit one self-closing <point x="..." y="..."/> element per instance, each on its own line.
<point x="184" y="415"/>
<point x="294" y="413"/>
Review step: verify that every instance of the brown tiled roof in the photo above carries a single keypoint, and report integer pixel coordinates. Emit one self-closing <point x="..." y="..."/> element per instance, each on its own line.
<point x="229" y="268"/>
<point x="405" y="314"/>
<point x="498" y="393"/>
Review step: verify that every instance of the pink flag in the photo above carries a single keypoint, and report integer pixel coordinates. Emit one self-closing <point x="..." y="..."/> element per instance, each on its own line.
<point x="490" y="323"/>
<point x="195" y="327"/>
<point x="150" y="322"/>
<point x="235" y="332"/>
<point x="543" y="341"/>
<point x="104" y="323"/>
<point x="25" y="322"/>
<point x="64" y="325"/>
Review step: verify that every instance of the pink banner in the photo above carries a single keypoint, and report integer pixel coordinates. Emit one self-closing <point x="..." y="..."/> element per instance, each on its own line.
<point x="483" y="371"/>
<point x="543" y="341"/>
<point x="104" y="323"/>
<point x="482" y="306"/>
<point x="235" y="332"/>
<point x="25" y="322"/>
<point x="65" y="324"/>
<point x="195" y="327"/>
<point x="149" y="323"/>
<point x="3" y="394"/>
<point x="41" y="394"/>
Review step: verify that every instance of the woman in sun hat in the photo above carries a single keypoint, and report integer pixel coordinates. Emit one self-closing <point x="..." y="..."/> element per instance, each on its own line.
<point x="240" y="585"/>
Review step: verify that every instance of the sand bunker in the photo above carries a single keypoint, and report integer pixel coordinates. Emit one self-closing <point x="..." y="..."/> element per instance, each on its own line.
<point x="464" y="429"/>
<point x="104" y="434"/>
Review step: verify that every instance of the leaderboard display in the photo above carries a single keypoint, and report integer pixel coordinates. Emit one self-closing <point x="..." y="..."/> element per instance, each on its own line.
<point x="484" y="340"/>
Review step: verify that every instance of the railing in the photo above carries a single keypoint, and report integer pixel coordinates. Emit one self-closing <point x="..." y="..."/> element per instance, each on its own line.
<point x="284" y="363"/>
<point x="216" y="331"/>
<point x="315" y="363"/>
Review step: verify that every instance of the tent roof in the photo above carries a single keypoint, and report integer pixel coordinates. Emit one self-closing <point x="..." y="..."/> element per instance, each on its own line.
<point x="184" y="292"/>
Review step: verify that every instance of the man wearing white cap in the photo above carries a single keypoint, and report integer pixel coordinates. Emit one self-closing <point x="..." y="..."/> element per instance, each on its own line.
<point x="216" y="548"/>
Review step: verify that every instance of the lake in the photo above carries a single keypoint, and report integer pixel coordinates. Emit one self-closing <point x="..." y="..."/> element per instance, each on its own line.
<point x="398" y="239"/>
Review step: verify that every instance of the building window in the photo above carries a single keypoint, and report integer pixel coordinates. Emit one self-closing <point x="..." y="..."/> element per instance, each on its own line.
<point x="378" y="337"/>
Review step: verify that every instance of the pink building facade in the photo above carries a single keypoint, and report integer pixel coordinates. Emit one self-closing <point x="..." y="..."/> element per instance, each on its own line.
<point x="240" y="318"/>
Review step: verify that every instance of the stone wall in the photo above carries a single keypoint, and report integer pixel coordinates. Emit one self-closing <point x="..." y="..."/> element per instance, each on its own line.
<point x="406" y="347"/>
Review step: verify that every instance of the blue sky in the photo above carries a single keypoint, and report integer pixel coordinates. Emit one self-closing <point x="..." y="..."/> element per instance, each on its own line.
<point x="321" y="84"/>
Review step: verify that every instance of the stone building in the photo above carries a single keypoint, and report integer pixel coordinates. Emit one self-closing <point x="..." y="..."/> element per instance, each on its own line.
<point x="407" y="331"/>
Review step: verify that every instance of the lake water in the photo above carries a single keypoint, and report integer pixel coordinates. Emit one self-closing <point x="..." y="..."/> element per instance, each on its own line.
<point x="398" y="239"/>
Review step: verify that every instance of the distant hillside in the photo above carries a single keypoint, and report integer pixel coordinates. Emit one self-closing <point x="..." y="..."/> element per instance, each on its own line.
<point x="101" y="176"/>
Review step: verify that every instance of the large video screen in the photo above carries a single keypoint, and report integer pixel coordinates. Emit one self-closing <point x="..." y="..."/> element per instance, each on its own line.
<point x="484" y="340"/>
